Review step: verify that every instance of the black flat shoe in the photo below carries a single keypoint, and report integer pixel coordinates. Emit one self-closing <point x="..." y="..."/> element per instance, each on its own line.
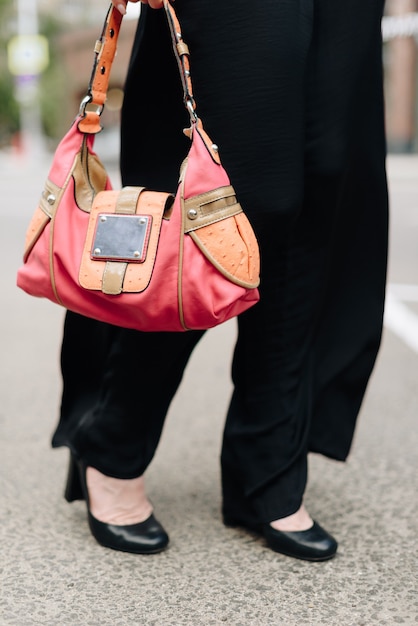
<point x="146" y="537"/>
<point x="314" y="544"/>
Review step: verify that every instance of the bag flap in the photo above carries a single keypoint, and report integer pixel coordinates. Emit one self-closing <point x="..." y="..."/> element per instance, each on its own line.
<point x="127" y="264"/>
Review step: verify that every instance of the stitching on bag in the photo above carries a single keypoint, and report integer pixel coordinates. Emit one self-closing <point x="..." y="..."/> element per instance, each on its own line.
<point x="51" y="234"/>
<point x="218" y="219"/>
<point x="181" y="251"/>
<point x="226" y="191"/>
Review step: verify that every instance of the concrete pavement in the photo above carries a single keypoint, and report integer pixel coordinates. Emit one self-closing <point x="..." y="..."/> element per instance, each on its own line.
<point x="52" y="572"/>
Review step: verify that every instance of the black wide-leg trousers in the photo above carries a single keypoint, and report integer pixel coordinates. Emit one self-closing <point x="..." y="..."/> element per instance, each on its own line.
<point x="292" y="92"/>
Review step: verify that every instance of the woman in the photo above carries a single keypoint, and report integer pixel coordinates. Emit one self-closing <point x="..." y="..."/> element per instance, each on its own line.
<point x="293" y="94"/>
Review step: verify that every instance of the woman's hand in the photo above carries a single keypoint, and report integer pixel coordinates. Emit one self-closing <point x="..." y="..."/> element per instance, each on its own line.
<point x="121" y="4"/>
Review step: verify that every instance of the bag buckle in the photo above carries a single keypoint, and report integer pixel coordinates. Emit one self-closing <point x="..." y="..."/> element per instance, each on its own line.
<point x="88" y="105"/>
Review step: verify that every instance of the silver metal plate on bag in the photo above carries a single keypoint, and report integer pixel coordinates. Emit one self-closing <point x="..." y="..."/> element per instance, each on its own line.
<point x="121" y="237"/>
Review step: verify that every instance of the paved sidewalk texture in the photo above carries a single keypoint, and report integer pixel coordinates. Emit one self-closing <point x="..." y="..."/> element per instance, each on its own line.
<point x="54" y="574"/>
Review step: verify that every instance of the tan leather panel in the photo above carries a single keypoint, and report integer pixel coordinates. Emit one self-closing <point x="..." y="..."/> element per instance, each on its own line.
<point x="48" y="205"/>
<point x="113" y="276"/>
<point x="50" y="198"/>
<point x="210" y="207"/>
<point x="35" y="229"/>
<point x="90" y="178"/>
<point x="97" y="174"/>
<point x="182" y="48"/>
<point x="128" y="200"/>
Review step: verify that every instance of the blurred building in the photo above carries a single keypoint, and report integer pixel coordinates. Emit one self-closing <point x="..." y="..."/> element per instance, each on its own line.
<point x="81" y="23"/>
<point x="400" y="58"/>
<point x="76" y="12"/>
<point x="401" y="75"/>
<point x="77" y="55"/>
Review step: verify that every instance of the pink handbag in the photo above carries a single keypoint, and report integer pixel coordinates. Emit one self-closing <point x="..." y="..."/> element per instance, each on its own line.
<point x="138" y="258"/>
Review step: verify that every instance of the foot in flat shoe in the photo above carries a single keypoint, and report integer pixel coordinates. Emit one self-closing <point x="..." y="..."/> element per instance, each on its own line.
<point x="313" y="544"/>
<point x="296" y="535"/>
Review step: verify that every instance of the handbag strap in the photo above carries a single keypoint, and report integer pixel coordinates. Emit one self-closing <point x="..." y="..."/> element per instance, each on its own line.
<point x="92" y="105"/>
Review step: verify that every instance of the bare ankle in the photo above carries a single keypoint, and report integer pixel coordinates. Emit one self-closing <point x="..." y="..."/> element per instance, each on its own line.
<point x="299" y="521"/>
<point x="117" y="501"/>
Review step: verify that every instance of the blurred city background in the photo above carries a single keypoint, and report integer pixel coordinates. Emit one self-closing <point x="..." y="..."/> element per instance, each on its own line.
<point x="46" y="55"/>
<point x="52" y="572"/>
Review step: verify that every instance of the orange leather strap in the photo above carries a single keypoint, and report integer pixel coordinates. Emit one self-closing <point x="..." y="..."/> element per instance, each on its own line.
<point x="181" y="52"/>
<point x="105" y="49"/>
